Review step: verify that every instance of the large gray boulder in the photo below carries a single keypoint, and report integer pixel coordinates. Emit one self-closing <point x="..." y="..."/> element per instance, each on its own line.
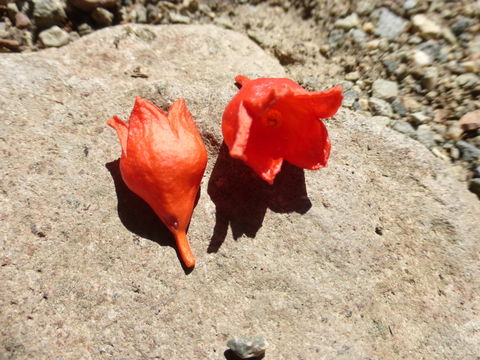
<point x="376" y="256"/>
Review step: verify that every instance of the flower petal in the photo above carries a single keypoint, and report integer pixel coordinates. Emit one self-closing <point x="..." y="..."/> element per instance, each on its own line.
<point x="241" y="80"/>
<point x="256" y="147"/>
<point x="310" y="149"/>
<point x="263" y="164"/>
<point x="180" y="118"/>
<point x="122" y="132"/>
<point x="144" y="114"/>
<point x="323" y="103"/>
<point x="242" y="135"/>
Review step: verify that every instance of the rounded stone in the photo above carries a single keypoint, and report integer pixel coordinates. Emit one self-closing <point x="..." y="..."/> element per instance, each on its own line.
<point x="348" y="22"/>
<point x="379" y="107"/>
<point x="426" y="27"/>
<point x="385" y="89"/>
<point x="247" y="347"/>
<point x="102" y="17"/>
<point x="47" y="13"/>
<point x="54" y="37"/>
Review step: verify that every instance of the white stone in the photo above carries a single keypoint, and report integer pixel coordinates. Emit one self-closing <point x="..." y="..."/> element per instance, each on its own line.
<point x="427" y="27"/>
<point x="348" y="22"/>
<point x="385" y="89"/>
<point x="54" y="37"/>
<point x="421" y="58"/>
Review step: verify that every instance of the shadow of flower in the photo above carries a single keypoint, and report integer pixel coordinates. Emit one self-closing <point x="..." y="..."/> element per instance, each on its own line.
<point x="242" y="198"/>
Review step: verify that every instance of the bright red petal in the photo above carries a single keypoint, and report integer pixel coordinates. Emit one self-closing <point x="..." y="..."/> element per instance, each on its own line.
<point x="122" y="132"/>
<point x="324" y="104"/>
<point x="310" y="149"/>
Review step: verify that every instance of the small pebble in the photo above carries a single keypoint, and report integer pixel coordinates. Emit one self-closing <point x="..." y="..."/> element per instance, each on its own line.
<point x="454" y="131"/>
<point x="349" y="97"/>
<point x="352" y="76"/>
<point x="102" y="17"/>
<point x="426" y="135"/>
<point x="426" y="27"/>
<point x="47" y="13"/>
<point x="430" y="77"/>
<point x="385" y="89"/>
<point x="178" y="18"/>
<point x="470" y="121"/>
<point x="398" y="107"/>
<point x="348" y="23"/>
<point x="420" y="118"/>
<point x="54" y="37"/>
<point x="468" y="151"/>
<point x="247" y="347"/>
<point x="404" y="127"/>
<point x="84" y="29"/>
<point x="380" y="107"/>
<point x="22" y="21"/>
<point x="421" y="58"/>
<point x="390" y="25"/>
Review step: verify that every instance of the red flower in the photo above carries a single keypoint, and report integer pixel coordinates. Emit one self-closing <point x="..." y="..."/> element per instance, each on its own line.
<point x="271" y="120"/>
<point x="163" y="160"/>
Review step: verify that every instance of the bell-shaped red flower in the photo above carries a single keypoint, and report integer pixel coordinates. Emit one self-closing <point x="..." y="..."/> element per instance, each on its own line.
<point x="270" y="120"/>
<point x="163" y="161"/>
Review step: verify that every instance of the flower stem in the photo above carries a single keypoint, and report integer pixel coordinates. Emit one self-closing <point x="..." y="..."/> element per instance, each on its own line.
<point x="184" y="249"/>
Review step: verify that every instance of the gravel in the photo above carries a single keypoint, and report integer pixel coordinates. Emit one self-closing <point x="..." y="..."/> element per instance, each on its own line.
<point x="421" y="57"/>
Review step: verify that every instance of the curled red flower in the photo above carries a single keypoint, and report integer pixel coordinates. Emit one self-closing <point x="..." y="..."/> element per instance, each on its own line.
<point x="163" y="161"/>
<point x="270" y="120"/>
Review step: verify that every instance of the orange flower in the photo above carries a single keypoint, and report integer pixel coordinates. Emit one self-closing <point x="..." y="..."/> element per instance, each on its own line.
<point x="270" y="120"/>
<point x="163" y="161"/>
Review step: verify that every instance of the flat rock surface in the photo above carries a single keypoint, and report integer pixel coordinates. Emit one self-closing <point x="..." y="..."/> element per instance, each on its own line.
<point x="374" y="257"/>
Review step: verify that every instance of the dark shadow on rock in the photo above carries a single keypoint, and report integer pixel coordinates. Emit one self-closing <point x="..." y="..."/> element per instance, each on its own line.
<point x="137" y="216"/>
<point x="230" y="355"/>
<point x="242" y="198"/>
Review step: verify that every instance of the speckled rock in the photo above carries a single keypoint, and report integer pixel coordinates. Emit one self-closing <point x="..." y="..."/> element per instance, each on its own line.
<point x="375" y="256"/>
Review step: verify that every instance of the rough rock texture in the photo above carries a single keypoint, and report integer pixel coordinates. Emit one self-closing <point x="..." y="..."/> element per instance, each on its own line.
<point x="374" y="257"/>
